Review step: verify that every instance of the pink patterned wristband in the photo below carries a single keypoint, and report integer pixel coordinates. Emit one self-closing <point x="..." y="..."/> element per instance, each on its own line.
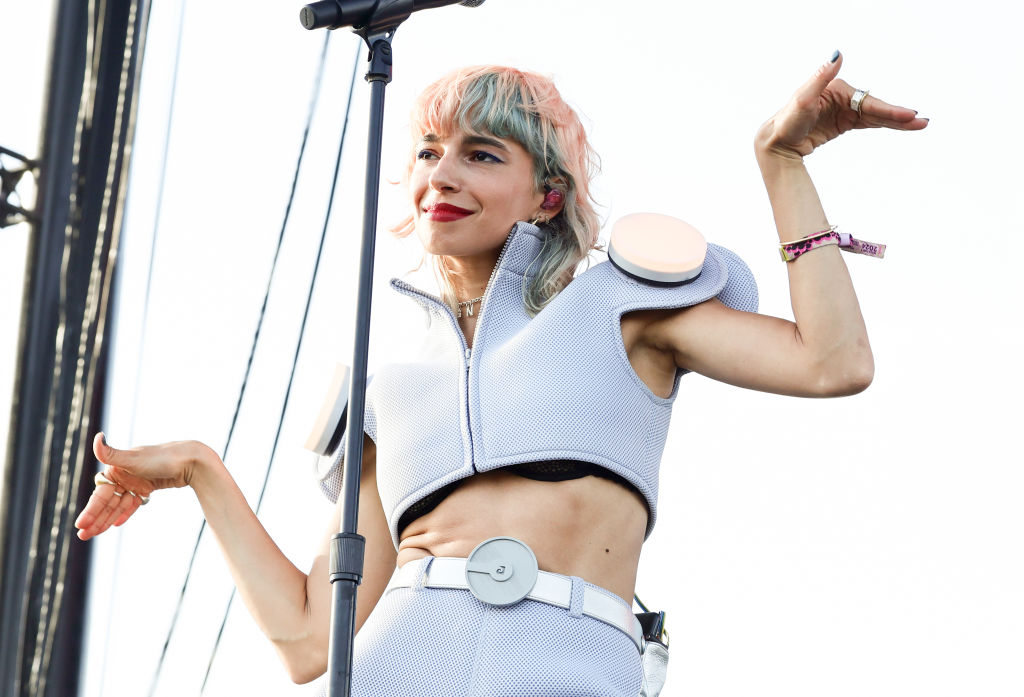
<point x="823" y="238"/>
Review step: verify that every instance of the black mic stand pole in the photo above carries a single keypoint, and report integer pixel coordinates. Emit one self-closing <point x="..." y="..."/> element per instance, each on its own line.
<point x="347" y="546"/>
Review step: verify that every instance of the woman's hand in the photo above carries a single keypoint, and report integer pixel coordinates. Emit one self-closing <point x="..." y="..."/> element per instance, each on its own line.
<point x="820" y="111"/>
<point x="135" y="474"/>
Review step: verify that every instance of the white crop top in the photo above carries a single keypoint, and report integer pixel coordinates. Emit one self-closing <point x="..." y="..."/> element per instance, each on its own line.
<point x="556" y="386"/>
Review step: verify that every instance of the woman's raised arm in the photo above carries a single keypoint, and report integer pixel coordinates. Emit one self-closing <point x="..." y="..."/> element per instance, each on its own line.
<point x="291" y="608"/>
<point x="825" y="352"/>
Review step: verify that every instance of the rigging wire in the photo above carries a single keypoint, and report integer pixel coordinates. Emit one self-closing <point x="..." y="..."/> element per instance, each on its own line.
<point x="248" y="368"/>
<point x="161" y="179"/>
<point x="298" y="345"/>
<point x="158" y="208"/>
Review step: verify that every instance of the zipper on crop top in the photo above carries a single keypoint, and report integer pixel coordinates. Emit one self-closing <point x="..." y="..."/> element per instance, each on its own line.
<point x="467" y="352"/>
<point x="485" y="304"/>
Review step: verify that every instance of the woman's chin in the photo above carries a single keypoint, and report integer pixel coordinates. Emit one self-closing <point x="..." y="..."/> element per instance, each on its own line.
<point x="453" y="239"/>
<point x="453" y="246"/>
<point x="440" y="247"/>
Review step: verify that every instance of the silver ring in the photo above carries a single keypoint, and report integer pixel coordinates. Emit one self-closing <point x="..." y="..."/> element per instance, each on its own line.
<point x="857" y="100"/>
<point x="143" y="500"/>
<point x="118" y="493"/>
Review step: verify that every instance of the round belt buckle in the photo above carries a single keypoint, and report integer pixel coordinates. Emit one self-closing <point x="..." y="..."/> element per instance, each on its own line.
<point x="501" y="571"/>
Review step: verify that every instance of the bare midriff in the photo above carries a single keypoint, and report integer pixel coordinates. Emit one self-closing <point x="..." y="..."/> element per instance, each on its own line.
<point x="589" y="527"/>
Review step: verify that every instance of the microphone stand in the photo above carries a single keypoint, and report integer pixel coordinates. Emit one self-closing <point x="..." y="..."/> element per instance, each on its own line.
<point x="347" y="546"/>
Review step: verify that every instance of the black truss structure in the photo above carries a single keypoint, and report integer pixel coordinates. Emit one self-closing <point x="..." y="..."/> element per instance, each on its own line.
<point x="12" y="213"/>
<point x="96" y="56"/>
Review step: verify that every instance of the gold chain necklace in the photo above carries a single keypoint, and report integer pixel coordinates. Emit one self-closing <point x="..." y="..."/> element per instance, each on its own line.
<point x="468" y="304"/>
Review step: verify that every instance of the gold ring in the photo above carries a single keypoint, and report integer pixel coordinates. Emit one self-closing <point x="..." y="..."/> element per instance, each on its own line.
<point x="101" y="479"/>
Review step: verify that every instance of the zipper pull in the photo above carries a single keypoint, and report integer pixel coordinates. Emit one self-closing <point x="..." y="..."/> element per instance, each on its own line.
<point x="469" y="353"/>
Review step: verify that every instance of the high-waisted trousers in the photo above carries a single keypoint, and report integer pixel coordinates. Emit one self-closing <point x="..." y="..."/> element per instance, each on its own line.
<point x="440" y="642"/>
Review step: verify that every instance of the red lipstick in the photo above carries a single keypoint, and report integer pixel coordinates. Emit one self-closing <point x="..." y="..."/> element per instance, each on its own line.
<point x="445" y="212"/>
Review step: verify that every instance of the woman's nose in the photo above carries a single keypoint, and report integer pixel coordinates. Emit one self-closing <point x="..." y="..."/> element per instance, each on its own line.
<point x="445" y="175"/>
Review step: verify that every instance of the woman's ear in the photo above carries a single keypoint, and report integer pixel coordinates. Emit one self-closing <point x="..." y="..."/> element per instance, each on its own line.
<point x="554" y="201"/>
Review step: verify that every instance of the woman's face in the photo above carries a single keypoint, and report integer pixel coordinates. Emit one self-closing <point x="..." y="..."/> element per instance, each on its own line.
<point x="468" y="190"/>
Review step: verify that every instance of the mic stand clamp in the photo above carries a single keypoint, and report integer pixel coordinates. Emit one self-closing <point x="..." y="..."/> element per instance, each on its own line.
<point x="380" y="56"/>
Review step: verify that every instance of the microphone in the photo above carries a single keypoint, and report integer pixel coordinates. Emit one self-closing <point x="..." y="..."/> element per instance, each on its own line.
<point x="368" y="14"/>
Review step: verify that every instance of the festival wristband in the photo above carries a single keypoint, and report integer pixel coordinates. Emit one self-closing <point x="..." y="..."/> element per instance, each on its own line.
<point x="823" y="238"/>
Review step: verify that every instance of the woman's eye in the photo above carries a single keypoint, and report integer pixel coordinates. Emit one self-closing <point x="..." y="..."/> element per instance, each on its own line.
<point x="426" y="155"/>
<point x="482" y="156"/>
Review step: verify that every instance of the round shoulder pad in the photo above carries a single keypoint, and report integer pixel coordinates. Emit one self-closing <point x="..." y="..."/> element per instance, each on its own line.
<point x="657" y="249"/>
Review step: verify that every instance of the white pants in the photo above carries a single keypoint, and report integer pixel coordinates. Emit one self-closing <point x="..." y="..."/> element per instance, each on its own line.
<point x="437" y="642"/>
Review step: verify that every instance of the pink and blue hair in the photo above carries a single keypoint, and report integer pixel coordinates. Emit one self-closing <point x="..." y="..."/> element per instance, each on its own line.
<point x="527" y="108"/>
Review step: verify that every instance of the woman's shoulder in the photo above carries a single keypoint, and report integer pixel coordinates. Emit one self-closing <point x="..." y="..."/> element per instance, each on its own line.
<point x="724" y="275"/>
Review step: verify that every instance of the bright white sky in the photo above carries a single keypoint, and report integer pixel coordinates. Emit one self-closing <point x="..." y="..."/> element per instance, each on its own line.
<point x="868" y="545"/>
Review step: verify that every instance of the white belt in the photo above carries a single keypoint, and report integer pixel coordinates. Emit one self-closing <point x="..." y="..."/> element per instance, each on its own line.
<point x="553" y="589"/>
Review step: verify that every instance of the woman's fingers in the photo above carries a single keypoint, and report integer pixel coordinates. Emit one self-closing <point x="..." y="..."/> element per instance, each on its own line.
<point x="130" y="503"/>
<point x="876" y="113"/>
<point x="88" y="521"/>
<point x="147" y="468"/>
<point x="127" y="460"/>
<point x="122" y="508"/>
<point x="803" y="123"/>
<point x="132" y="482"/>
<point x="131" y="476"/>
<point x="809" y="93"/>
<point x="822" y="109"/>
<point x="118" y="489"/>
<point x="110" y="504"/>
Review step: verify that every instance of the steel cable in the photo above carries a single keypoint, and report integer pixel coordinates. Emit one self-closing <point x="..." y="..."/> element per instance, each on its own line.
<point x="255" y="341"/>
<point x="298" y="345"/>
<point x="162" y="177"/>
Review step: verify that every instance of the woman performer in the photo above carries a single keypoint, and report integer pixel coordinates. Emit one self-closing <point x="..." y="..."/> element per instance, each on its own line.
<point x="538" y="408"/>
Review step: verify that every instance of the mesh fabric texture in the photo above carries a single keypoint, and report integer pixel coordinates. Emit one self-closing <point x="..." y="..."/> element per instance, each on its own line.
<point x="446" y="643"/>
<point x="557" y="386"/>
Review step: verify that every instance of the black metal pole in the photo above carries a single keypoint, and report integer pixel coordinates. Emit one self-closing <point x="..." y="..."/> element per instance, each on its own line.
<point x="347" y="546"/>
<point x="376" y="22"/>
